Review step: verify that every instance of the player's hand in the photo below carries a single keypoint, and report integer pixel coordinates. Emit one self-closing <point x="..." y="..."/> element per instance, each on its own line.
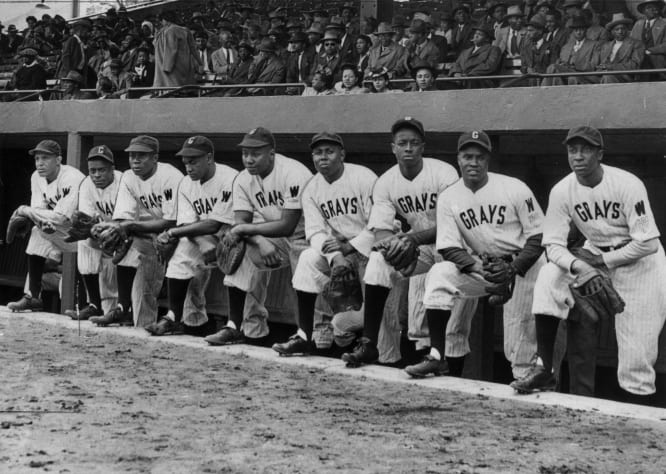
<point x="164" y="238"/>
<point x="340" y="261"/>
<point x="47" y="227"/>
<point x="334" y="245"/>
<point x="476" y="268"/>
<point x="269" y="253"/>
<point x="579" y="266"/>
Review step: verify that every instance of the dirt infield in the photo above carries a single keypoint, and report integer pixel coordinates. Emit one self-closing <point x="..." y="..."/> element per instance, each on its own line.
<point x="105" y="403"/>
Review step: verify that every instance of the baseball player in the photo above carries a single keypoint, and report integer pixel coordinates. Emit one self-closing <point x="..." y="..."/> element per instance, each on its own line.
<point x="336" y="206"/>
<point x="97" y="197"/>
<point x="409" y="191"/>
<point x="54" y="196"/>
<point x="204" y="206"/>
<point x="146" y="204"/>
<point x="610" y="207"/>
<point x="271" y="185"/>
<point x="486" y="215"/>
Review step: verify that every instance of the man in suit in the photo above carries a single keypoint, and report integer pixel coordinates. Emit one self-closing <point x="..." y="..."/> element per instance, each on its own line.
<point x="482" y="59"/>
<point x="463" y="29"/>
<point x="329" y="57"/>
<point x="224" y="58"/>
<point x="420" y="47"/>
<point x="496" y="16"/>
<point x="347" y="40"/>
<point x="387" y="54"/>
<point x="315" y="33"/>
<point x="299" y="62"/>
<point x="536" y="54"/>
<point x="579" y="54"/>
<point x="73" y="56"/>
<point x="651" y="30"/>
<point x="266" y="68"/>
<point x="204" y="52"/>
<point x="510" y="39"/>
<point x="622" y="53"/>
<point x="362" y="54"/>
<point x="556" y="34"/>
<point x="595" y="32"/>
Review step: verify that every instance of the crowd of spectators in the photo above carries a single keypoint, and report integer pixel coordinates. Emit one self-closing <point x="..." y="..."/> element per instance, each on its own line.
<point x="332" y="51"/>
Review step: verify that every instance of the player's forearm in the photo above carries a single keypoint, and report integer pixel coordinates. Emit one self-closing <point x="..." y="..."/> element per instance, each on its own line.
<point x="204" y="227"/>
<point x="528" y="255"/>
<point x="630" y="253"/>
<point x="459" y="257"/>
<point x="154" y="226"/>
<point x="38" y="216"/>
<point x="560" y="256"/>
<point x="424" y="237"/>
<point x="279" y="228"/>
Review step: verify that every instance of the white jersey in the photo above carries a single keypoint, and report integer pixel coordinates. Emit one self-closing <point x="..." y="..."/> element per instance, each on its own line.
<point x="154" y="198"/>
<point x="495" y="220"/>
<point x="613" y="212"/>
<point x="415" y="200"/>
<point x="343" y="205"/>
<point x="60" y="195"/>
<point x="268" y="196"/>
<point x="210" y="200"/>
<point x="99" y="201"/>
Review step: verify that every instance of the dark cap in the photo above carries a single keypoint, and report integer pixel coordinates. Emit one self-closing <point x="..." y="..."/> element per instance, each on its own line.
<point x="475" y="137"/>
<point x="144" y="144"/>
<point x="589" y="134"/>
<point x="257" y="138"/>
<point x="101" y="151"/>
<point x="326" y="137"/>
<point x="47" y="146"/>
<point x="197" y="145"/>
<point x="408" y="122"/>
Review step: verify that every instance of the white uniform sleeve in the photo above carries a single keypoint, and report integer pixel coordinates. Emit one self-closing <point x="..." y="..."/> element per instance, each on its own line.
<point x="127" y="207"/>
<point x="363" y="242"/>
<point x="86" y="198"/>
<point x="383" y="211"/>
<point x="449" y="175"/>
<point x="186" y="212"/>
<point x="556" y="230"/>
<point x="171" y="184"/>
<point x="448" y="233"/>
<point x="69" y="188"/>
<point x="314" y="221"/>
<point x="36" y="195"/>
<point x="295" y="183"/>
<point x="528" y="210"/>
<point x="241" y="198"/>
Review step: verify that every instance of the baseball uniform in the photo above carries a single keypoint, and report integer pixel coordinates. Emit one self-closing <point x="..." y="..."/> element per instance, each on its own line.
<point x="612" y="216"/>
<point x="496" y="220"/>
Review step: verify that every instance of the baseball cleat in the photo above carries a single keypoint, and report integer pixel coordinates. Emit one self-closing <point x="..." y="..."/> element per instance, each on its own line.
<point x="224" y="337"/>
<point x="365" y="352"/>
<point x="296" y="345"/>
<point x="429" y="365"/>
<point x="165" y="327"/>
<point x="84" y="314"/>
<point x="115" y="316"/>
<point x="26" y="303"/>
<point x="538" y="380"/>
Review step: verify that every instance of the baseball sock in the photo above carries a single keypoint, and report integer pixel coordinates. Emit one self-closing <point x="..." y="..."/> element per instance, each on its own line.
<point x="177" y="290"/>
<point x="546" y="332"/>
<point x="91" y="282"/>
<point x="456" y="365"/>
<point x="236" y="306"/>
<point x="35" y="271"/>
<point x="372" y="316"/>
<point x="125" y="281"/>
<point x="437" y="320"/>
<point x="306" y="304"/>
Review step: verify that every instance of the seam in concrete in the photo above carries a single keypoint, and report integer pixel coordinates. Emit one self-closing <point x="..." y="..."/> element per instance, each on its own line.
<point x="375" y="372"/>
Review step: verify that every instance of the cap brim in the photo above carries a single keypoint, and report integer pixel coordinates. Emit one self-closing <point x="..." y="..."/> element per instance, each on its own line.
<point x="250" y="143"/>
<point x="102" y="157"/>
<point x="191" y="152"/>
<point x="582" y="137"/>
<point x="406" y="124"/>
<point x="472" y="141"/>
<point x="42" y="150"/>
<point x="140" y="148"/>
<point x="326" y="140"/>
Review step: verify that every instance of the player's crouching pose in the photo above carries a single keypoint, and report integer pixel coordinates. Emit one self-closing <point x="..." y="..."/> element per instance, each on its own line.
<point x="408" y="190"/>
<point x="336" y="207"/>
<point x="204" y="206"/>
<point x="611" y="209"/>
<point x="494" y="217"/>
<point x="54" y="196"/>
<point x="97" y="198"/>
<point x="146" y="205"/>
<point x="271" y="185"/>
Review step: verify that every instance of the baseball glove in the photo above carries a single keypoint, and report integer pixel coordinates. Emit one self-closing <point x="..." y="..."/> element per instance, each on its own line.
<point x="229" y="253"/>
<point x="502" y="274"/>
<point x="594" y="295"/>
<point x="399" y="251"/>
<point x="18" y="226"/>
<point x="165" y="246"/>
<point x="82" y="225"/>
<point x="112" y="239"/>
<point x="343" y="291"/>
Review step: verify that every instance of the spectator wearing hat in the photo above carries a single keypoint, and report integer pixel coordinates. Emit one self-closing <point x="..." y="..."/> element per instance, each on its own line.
<point x="119" y="79"/>
<point x="399" y="26"/>
<point x="322" y="84"/>
<point x="421" y="48"/>
<point x="315" y="33"/>
<point x="482" y="59"/>
<point x="579" y="54"/>
<point x="556" y="34"/>
<point x="463" y="31"/>
<point x="266" y="68"/>
<point x="239" y="72"/>
<point x="13" y="43"/>
<point x="424" y="75"/>
<point x="177" y="60"/>
<point x="143" y="72"/>
<point x="622" y="53"/>
<point x="74" y="56"/>
<point x="128" y="48"/>
<point x="347" y="12"/>
<point x="362" y="53"/>
<point x="543" y="8"/>
<point x="387" y="54"/>
<point x="496" y="19"/>
<point x="536" y="53"/>
<point x="347" y="40"/>
<point x="350" y="82"/>
<point x="595" y="31"/>
<point x="329" y="57"/>
<point x="529" y="8"/>
<point x="651" y="30"/>
<point x="381" y="83"/>
<point x="30" y="75"/>
<point x="299" y="62"/>
<point x="204" y="52"/>
<point x="224" y="58"/>
<point x="71" y="84"/>
<point x="510" y="39"/>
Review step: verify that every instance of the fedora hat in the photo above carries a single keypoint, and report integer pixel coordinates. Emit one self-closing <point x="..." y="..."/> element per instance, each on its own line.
<point x="618" y="19"/>
<point x="419" y="64"/>
<point x="384" y="29"/>
<point x="658" y="3"/>
<point x="578" y="21"/>
<point x="486" y="30"/>
<point x="514" y="10"/>
<point x="267" y="45"/>
<point x="331" y="35"/>
<point x="537" y="21"/>
<point x="572" y="3"/>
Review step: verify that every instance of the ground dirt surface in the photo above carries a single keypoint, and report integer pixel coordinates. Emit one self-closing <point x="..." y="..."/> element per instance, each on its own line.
<point x="107" y="403"/>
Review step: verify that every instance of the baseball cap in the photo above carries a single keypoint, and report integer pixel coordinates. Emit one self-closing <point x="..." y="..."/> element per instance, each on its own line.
<point x="101" y="151"/>
<point x="47" y="146"/>
<point x="589" y="134"/>
<point x="197" y="145"/>
<point x="326" y="137"/>
<point x="257" y="138"/>
<point x="144" y="143"/>
<point x="408" y="122"/>
<point x="475" y="137"/>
